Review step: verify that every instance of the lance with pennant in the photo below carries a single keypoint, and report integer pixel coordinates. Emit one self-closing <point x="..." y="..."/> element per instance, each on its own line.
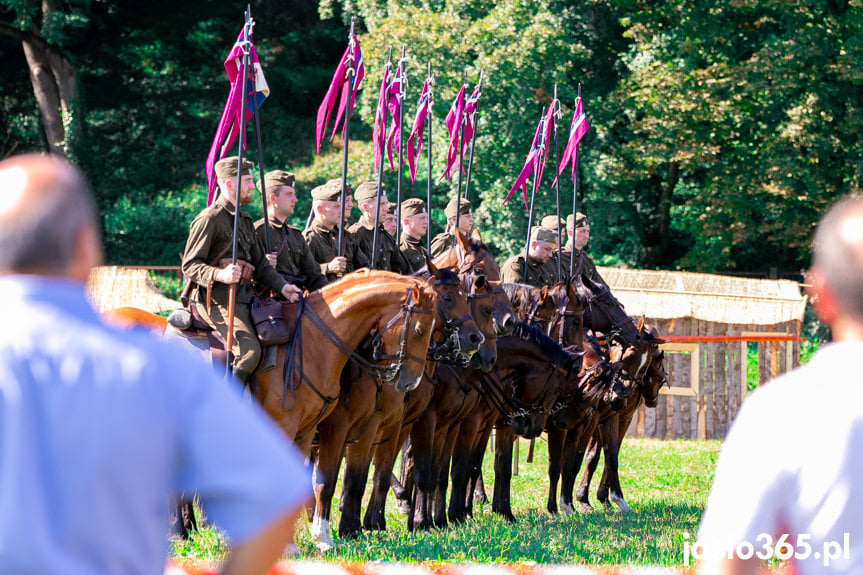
<point x="232" y="289"/>
<point x="459" y="138"/>
<point x="474" y="121"/>
<point x="557" y="115"/>
<point x="574" y="196"/>
<point x="260" y="148"/>
<point x="382" y="110"/>
<point x="401" y="99"/>
<point x="351" y="73"/>
<point x="429" y="154"/>
<point x="540" y="148"/>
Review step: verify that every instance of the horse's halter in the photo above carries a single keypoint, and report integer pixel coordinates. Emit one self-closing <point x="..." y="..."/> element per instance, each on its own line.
<point x="616" y="331"/>
<point x="389" y="373"/>
<point x="449" y="347"/>
<point x="511" y="408"/>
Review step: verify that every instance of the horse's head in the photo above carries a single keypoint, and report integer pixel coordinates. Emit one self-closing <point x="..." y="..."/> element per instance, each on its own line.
<point x="631" y="363"/>
<point x="655" y="376"/>
<point x="569" y="314"/>
<point x="457" y="335"/>
<point x="403" y="333"/>
<point x="604" y="313"/>
<point x="505" y="317"/>
<point x="481" y="300"/>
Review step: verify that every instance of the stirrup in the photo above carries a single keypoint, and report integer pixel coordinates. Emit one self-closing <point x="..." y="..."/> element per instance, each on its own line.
<point x="269" y="360"/>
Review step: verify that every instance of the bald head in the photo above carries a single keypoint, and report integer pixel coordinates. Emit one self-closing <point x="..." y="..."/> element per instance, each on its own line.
<point x="47" y="218"/>
<point x="838" y="255"/>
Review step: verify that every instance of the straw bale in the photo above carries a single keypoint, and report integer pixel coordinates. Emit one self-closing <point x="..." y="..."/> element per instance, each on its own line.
<point x="111" y="287"/>
<point x="706" y="297"/>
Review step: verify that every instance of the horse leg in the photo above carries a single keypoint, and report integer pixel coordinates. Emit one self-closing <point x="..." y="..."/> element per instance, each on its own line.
<point x="331" y="447"/>
<point x="406" y="477"/>
<point x="575" y="445"/>
<point x="462" y="461"/>
<point x="357" y="463"/>
<point x="503" y="471"/>
<point x="475" y="488"/>
<point x="610" y="484"/>
<point x="422" y="438"/>
<point x="593" y="447"/>
<point x="384" y="457"/>
<point x="555" y="450"/>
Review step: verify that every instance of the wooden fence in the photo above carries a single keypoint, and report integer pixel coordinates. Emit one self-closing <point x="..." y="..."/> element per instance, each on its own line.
<point x="709" y="378"/>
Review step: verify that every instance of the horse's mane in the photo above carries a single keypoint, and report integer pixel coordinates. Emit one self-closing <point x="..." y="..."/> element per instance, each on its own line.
<point x="519" y="296"/>
<point x="446" y="275"/>
<point x="546" y="345"/>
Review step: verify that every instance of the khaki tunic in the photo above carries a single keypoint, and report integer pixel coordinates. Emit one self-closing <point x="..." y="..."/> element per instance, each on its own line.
<point x="441" y="243"/>
<point x="512" y="271"/>
<point x="388" y="258"/>
<point x="414" y="252"/>
<point x="294" y="260"/>
<point x="210" y="239"/>
<point x="322" y="242"/>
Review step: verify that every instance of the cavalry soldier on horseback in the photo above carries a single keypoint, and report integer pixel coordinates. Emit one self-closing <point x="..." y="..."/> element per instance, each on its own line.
<point x="290" y="253"/>
<point x="388" y="257"/>
<point x="447" y="239"/>
<point x="207" y="262"/>
<point x="322" y="235"/>
<point x="577" y="237"/>
<point x="554" y="224"/>
<point x="415" y="224"/>
<point x="539" y="251"/>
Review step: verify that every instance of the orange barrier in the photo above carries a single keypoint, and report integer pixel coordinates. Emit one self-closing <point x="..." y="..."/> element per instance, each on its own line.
<point x="731" y="338"/>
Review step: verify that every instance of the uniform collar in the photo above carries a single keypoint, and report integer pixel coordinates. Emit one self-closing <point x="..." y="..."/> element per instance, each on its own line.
<point x="411" y="240"/>
<point x="226" y="205"/>
<point x="275" y="222"/>
<point x="321" y="228"/>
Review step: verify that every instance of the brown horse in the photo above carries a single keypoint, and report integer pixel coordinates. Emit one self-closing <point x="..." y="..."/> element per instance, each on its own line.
<point x="611" y="431"/>
<point x="365" y="404"/>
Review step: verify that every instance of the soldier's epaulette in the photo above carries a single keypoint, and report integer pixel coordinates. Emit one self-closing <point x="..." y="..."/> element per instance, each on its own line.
<point x="294" y="228"/>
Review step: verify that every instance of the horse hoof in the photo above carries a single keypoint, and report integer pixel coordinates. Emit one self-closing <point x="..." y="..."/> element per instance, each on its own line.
<point x="586" y="508"/>
<point x="291" y="550"/>
<point x="404" y="507"/>
<point x="320" y="533"/>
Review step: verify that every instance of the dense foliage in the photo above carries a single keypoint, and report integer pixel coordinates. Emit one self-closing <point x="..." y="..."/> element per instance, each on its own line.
<point x="720" y="130"/>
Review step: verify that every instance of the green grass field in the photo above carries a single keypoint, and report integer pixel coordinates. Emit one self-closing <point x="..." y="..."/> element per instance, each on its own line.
<point x="665" y="482"/>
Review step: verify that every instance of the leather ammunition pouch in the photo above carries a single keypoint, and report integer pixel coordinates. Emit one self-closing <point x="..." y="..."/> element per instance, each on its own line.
<point x="274" y="320"/>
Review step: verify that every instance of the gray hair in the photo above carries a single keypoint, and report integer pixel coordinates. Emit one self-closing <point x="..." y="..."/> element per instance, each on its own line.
<point x="42" y="233"/>
<point x="838" y="254"/>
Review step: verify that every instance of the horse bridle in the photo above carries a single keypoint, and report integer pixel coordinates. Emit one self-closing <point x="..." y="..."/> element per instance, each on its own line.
<point x="616" y="327"/>
<point x="512" y="407"/>
<point x="449" y="348"/>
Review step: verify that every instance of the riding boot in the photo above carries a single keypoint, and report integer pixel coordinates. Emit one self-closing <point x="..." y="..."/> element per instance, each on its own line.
<point x="269" y="361"/>
<point x="240" y="375"/>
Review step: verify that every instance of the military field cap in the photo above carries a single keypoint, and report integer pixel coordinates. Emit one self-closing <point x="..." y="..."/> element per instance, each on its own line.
<point x="580" y="220"/>
<point x="541" y="234"/>
<point x="277" y="178"/>
<point x="329" y="192"/>
<point x="226" y="168"/>
<point x="551" y="223"/>
<point x="413" y="207"/>
<point x="450" y="209"/>
<point x="367" y="191"/>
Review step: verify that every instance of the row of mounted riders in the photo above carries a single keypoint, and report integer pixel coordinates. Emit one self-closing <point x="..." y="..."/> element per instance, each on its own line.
<point x="453" y="354"/>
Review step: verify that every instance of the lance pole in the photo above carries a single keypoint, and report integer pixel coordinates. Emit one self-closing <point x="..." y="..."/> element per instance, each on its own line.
<point x="557" y="115"/>
<point x="429" y="155"/>
<point x="380" y="169"/>
<point x="473" y="136"/>
<point x="401" y="99"/>
<point x="540" y="148"/>
<point x="351" y="73"/>
<point x="232" y="289"/>
<point x="574" y="197"/>
<point x="253" y="80"/>
<point x="459" y="137"/>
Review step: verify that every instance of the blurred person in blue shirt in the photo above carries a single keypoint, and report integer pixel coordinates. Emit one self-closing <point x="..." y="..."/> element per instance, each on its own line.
<point x="100" y="428"/>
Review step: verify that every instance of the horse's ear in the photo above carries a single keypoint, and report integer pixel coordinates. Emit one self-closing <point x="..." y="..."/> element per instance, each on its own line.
<point x="475" y="235"/>
<point x="430" y="266"/>
<point x="479" y="282"/>
<point x="640" y="325"/>
<point x="415" y="293"/>
<point x="543" y="293"/>
<point x="461" y="240"/>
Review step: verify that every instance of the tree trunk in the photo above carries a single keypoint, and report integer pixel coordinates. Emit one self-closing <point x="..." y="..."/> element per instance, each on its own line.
<point x="55" y="87"/>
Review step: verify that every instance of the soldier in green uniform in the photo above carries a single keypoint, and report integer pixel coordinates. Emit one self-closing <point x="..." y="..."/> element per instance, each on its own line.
<point x="207" y="262"/>
<point x="577" y="237"/>
<point x="539" y="251"/>
<point x="446" y="239"/>
<point x="388" y="257"/>
<point x="322" y="235"/>
<point x="289" y="253"/>
<point x="415" y="224"/>
<point x="554" y="224"/>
